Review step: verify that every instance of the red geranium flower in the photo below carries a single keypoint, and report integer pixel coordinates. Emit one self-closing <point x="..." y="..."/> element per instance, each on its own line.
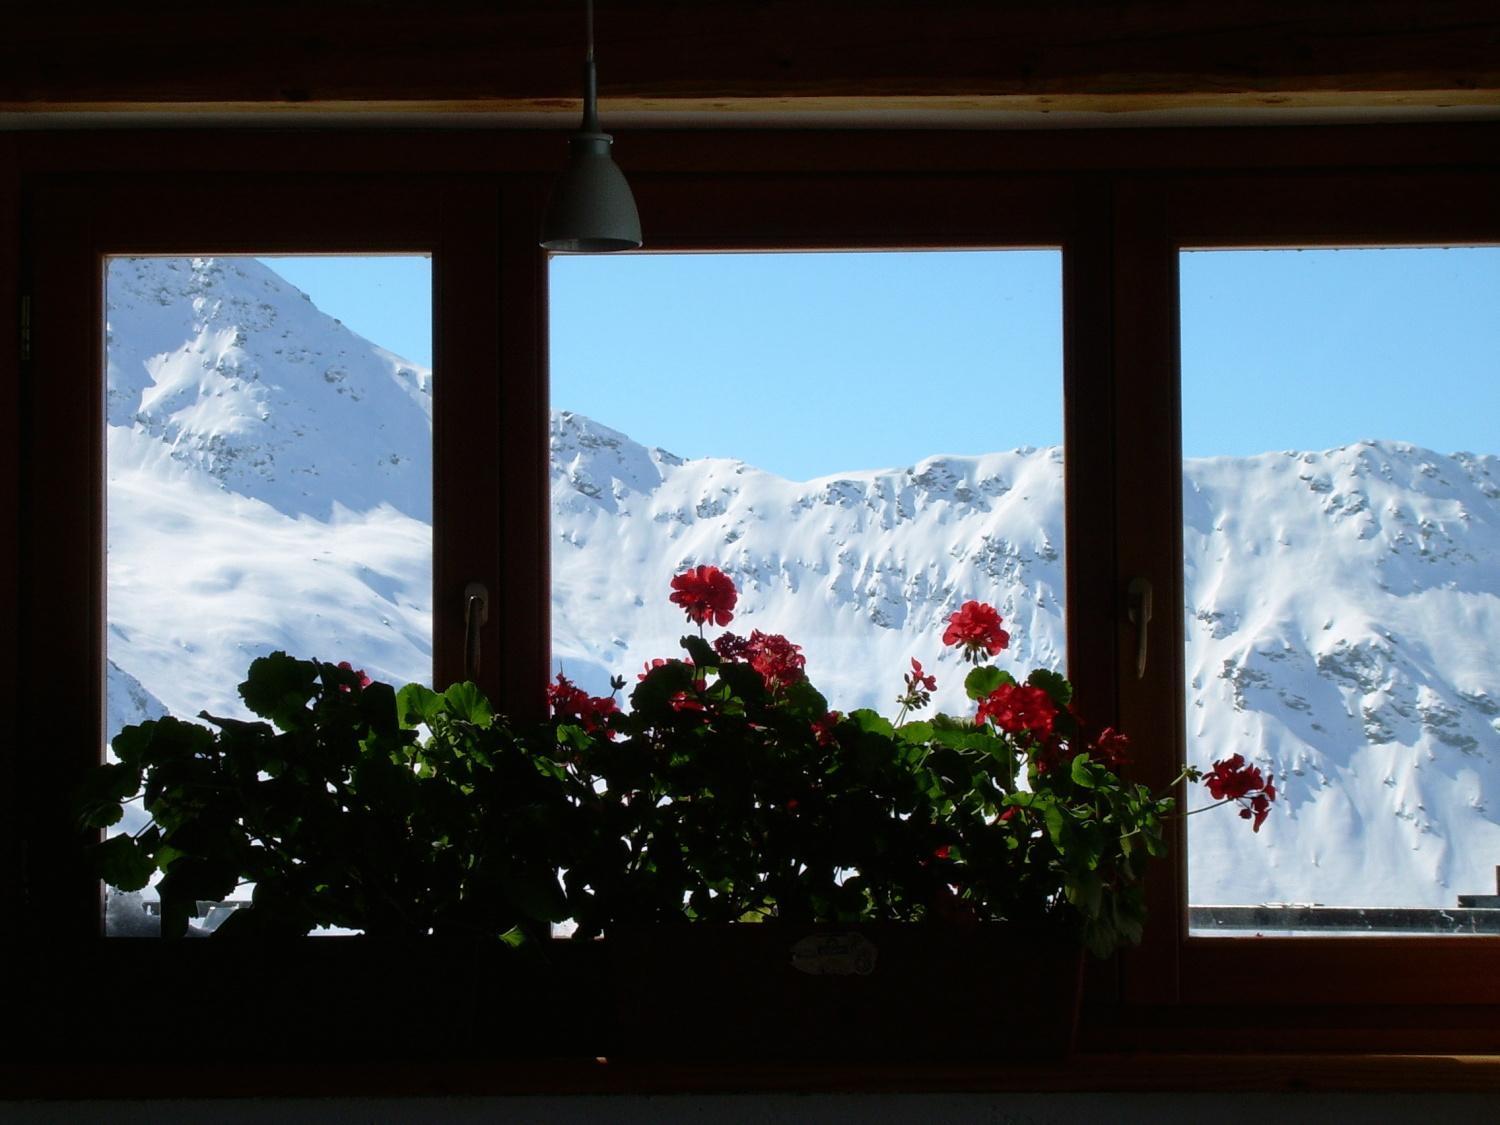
<point x="779" y="662"/>
<point x="1015" y="708"/>
<point x="1234" y="779"/>
<point x="571" y="704"/>
<point x="976" y="626"/>
<point x="650" y="666"/>
<point x="706" y="594"/>
<point x="1112" y="748"/>
<point x="732" y="646"/>
<point x="919" y="686"/>
<point x="364" y="680"/>
<point x="823" y="728"/>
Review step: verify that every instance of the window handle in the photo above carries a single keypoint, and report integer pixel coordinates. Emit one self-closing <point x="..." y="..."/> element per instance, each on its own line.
<point x="476" y="613"/>
<point x="1139" y="611"/>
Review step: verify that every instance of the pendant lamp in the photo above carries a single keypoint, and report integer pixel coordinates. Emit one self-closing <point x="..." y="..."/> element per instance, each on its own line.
<point x="592" y="210"/>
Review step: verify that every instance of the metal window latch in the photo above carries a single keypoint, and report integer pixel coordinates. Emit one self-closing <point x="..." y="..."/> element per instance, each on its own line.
<point x="476" y="613"/>
<point x="1139" y="612"/>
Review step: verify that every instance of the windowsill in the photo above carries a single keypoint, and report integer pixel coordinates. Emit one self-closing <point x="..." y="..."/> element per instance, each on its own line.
<point x="1143" y="1073"/>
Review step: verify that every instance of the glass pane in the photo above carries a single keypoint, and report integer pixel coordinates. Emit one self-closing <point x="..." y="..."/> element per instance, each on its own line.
<point x="269" y="477"/>
<point x="1341" y="496"/>
<point x="862" y="441"/>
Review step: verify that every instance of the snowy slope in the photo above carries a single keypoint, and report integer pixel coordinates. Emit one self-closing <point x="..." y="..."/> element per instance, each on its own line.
<point x="1344" y="627"/>
<point x="234" y="375"/>
<point x="860" y="569"/>
<point x="269" y="488"/>
<point x="1343" y="623"/>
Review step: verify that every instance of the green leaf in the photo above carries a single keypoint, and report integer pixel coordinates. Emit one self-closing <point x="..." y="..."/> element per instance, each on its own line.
<point x="983" y="680"/>
<point x="467" y="702"/>
<point x="417" y="705"/>
<point x="123" y="863"/>
<point x="515" y="937"/>
<point x="1085" y="772"/>
<point x="535" y="893"/>
<point x="130" y="744"/>
<point x="105" y="788"/>
<point x="377" y="706"/>
<point x="1057" y="687"/>
<point x="700" y="652"/>
<point x="872" y="722"/>
<point x="279" y="688"/>
<point x="744" y="683"/>
<point x="918" y="732"/>
<point x="194" y="877"/>
<point x="804" y="700"/>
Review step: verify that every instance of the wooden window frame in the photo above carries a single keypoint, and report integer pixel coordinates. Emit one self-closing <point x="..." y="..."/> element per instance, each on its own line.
<point x="1121" y="206"/>
<point x="1438" y="992"/>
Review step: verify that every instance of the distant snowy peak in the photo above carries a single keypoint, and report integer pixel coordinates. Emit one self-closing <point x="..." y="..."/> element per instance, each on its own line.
<point x="1342" y="618"/>
<point x="230" y="372"/>
<point x="603" y="464"/>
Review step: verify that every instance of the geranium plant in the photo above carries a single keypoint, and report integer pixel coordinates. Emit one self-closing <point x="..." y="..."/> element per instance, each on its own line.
<point x="726" y="790"/>
<point x="352" y="805"/>
<point x="741" y="796"/>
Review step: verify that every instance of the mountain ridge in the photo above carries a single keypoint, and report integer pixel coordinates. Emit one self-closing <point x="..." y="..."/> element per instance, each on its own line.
<point x="1343" y="619"/>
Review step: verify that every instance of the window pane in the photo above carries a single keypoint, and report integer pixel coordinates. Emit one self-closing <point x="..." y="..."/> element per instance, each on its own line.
<point x="862" y="441"/>
<point x="1341" y="495"/>
<point x="269" y="476"/>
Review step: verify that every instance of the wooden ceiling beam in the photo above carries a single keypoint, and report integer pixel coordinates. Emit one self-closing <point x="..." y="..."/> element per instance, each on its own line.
<point x="677" y="55"/>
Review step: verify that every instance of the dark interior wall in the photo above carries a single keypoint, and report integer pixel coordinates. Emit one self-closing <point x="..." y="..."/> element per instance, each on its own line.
<point x="454" y="56"/>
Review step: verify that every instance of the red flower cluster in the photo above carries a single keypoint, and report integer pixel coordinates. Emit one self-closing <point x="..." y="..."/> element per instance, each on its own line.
<point x="1111" y="748"/>
<point x="1015" y="708"/>
<point x="364" y="680"/>
<point x="707" y="594"/>
<point x="682" y="701"/>
<point x="779" y="661"/>
<point x="919" y="687"/>
<point x="571" y="704"/>
<point x="976" y="626"/>
<point x="823" y="728"/>
<point x="650" y="666"/>
<point x="1234" y="779"/>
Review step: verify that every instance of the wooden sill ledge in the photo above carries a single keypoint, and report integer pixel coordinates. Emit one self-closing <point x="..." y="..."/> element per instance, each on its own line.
<point x="1138" y="1073"/>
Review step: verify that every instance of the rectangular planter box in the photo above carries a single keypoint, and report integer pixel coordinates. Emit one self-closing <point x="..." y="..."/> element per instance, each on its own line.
<point x="883" y="990"/>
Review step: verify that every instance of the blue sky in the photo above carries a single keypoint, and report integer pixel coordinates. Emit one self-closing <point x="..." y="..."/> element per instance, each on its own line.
<point x="387" y="300"/>
<point x="1309" y="349"/>
<point x="808" y="364"/>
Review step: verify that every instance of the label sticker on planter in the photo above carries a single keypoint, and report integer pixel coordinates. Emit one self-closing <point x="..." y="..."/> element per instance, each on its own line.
<point x="842" y="955"/>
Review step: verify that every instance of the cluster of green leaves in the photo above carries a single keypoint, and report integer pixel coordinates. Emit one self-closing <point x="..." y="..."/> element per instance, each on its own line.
<point x="735" y="801"/>
<point x="713" y="797"/>
<point x="340" y="813"/>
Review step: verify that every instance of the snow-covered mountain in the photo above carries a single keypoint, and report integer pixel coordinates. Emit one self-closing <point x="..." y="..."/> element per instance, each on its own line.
<point x="270" y="487"/>
<point x="861" y="569"/>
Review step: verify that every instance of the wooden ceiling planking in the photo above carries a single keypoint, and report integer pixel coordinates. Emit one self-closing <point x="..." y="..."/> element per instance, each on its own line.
<point x="661" y="55"/>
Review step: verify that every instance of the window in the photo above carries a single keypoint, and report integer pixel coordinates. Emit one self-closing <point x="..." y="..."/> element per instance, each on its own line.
<point x="269" y="480"/>
<point x="1120" y="230"/>
<point x="1342" y="615"/>
<point x="1163" y="223"/>
<point x="790" y="418"/>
